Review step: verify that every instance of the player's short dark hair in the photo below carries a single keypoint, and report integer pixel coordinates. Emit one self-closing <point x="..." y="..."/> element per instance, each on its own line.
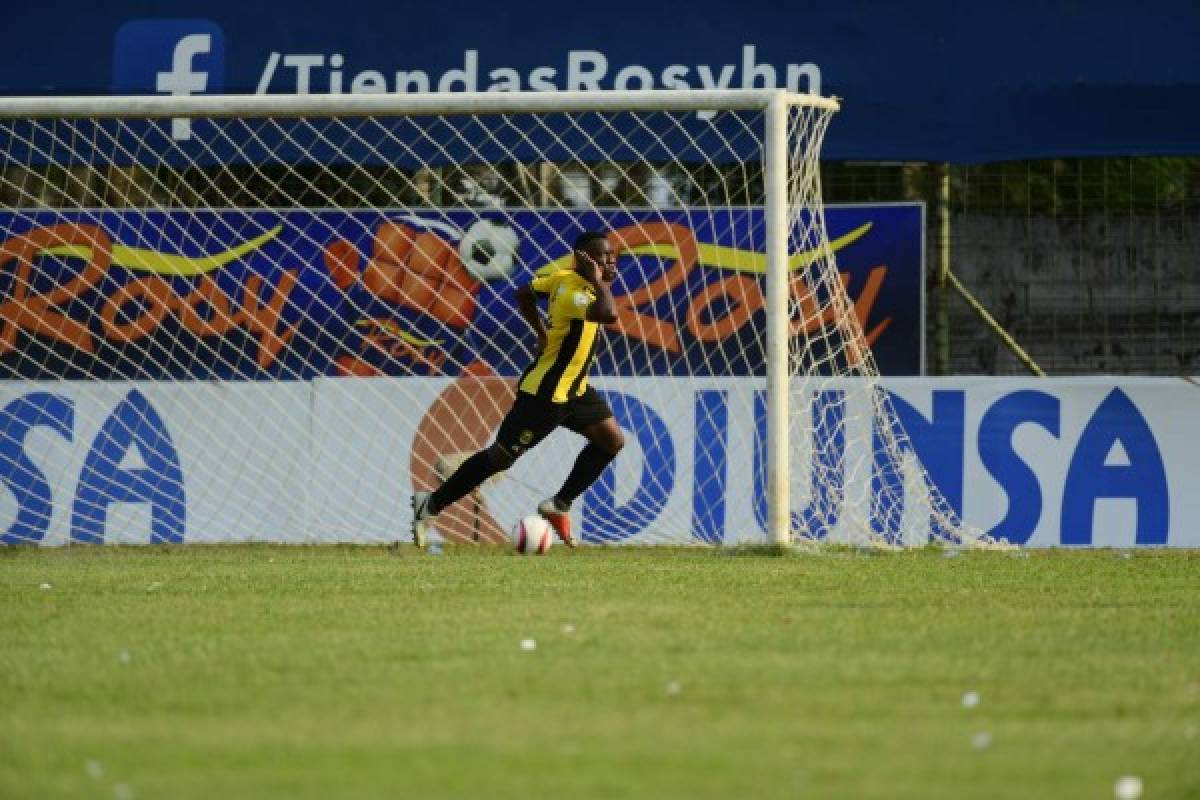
<point x="587" y="237"/>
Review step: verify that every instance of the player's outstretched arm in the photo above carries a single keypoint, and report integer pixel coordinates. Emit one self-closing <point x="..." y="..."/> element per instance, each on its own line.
<point x="527" y="305"/>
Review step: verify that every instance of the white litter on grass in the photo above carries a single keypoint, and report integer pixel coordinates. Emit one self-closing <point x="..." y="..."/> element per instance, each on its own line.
<point x="528" y="645"/>
<point x="94" y="768"/>
<point x="122" y="791"/>
<point x="1128" y="787"/>
<point x="568" y="629"/>
<point x="45" y="586"/>
<point x="981" y="740"/>
<point x="674" y="688"/>
<point x="124" y="657"/>
<point x="970" y="699"/>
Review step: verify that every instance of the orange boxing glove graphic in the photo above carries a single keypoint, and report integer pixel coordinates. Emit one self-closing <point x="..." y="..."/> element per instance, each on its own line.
<point x="422" y="271"/>
<point x="411" y="306"/>
<point x="341" y="259"/>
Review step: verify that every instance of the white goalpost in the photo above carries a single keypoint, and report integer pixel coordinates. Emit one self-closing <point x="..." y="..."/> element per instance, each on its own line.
<point x="247" y="318"/>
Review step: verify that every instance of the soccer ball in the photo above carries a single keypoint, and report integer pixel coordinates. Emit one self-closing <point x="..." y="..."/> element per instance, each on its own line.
<point x="488" y="250"/>
<point x="532" y="536"/>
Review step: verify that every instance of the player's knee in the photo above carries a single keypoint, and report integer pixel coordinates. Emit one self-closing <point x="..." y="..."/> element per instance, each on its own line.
<point x="501" y="459"/>
<point x="613" y="442"/>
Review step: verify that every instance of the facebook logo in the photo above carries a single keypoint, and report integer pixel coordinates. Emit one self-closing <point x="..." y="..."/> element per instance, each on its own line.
<point x="169" y="56"/>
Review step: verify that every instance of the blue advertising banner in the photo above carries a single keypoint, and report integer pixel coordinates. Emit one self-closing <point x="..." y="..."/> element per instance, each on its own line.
<point x="931" y="80"/>
<point x="237" y="294"/>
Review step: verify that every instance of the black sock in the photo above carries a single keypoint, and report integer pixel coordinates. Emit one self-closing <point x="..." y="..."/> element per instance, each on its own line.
<point x="472" y="472"/>
<point x="588" y="466"/>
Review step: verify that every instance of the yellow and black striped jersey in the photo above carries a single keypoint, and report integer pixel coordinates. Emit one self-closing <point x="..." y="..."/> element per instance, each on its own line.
<point x="560" y="372"/>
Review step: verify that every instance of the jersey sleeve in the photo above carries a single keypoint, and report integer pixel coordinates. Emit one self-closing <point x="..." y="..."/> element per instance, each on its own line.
<point x="543" y="284"/>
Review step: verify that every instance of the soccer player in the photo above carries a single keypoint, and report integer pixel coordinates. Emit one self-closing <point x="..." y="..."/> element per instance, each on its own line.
<point x="553" y="391"/>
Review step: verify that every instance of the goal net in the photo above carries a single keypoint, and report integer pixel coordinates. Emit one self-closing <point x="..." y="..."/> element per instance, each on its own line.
<point x="273" y="318"/>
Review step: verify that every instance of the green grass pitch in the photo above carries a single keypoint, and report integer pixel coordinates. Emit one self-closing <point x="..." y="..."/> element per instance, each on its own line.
<point x="343" y="672"/>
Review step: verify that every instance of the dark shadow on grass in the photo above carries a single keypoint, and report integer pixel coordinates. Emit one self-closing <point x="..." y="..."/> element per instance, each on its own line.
<point x="756" y="550"/>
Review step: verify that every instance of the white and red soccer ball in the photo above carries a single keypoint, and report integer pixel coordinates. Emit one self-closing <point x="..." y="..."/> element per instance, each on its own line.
<point x="532" y="536"/>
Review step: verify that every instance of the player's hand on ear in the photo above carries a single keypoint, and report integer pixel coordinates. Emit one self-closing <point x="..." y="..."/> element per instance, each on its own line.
<point x="588" y="268"/>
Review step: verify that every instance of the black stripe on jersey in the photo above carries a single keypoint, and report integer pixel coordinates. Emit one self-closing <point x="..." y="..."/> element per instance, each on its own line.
<point x="566" y="352"/>
<point x="587" y="365"/>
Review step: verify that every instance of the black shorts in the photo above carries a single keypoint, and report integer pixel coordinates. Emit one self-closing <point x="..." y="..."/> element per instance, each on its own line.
<point x="532" y="419"/>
